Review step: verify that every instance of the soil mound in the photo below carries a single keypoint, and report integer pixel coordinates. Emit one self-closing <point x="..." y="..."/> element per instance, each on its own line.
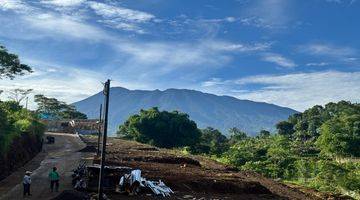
<point x="90" y="149"/>
<point x="71" y="195"/>
<point x="164" y="159"/>
<point x="147" y="149"/>
<point x="227" y="187"/>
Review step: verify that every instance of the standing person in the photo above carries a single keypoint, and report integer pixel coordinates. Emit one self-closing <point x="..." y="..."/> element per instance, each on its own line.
<point x="27" y="183"/>
<point x="54" y="179"/>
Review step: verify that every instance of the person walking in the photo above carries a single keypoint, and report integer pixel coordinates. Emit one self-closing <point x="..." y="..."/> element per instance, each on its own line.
<point x="27" y="183"/>
<point x="54" y="179"/>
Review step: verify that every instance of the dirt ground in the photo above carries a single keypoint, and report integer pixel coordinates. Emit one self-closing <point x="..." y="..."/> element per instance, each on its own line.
<point x="63" y="154"/>
<point x="190" y="177"/>
<point x="194" y="177"/>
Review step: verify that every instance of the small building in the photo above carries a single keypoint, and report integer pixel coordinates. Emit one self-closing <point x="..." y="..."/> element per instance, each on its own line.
<point x="76" y="126"/>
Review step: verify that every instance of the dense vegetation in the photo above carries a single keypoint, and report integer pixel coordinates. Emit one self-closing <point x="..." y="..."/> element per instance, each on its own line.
<point x="54" y="109"/>
<point x="15" y="121"/>
<point x="319" y="148"/>
<point x="163" y="129"/>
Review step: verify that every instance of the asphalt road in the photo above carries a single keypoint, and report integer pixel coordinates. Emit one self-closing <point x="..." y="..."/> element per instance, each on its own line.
<point x="63" y="154"/>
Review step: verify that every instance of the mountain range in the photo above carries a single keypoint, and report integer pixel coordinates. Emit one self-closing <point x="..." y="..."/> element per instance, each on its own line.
<point x="221" y="112"/>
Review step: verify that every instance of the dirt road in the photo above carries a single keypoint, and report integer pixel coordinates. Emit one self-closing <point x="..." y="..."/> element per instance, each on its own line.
<point x="63" y="154"/>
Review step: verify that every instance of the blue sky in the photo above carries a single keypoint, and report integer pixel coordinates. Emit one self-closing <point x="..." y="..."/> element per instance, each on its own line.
<point x="291" y="53"/>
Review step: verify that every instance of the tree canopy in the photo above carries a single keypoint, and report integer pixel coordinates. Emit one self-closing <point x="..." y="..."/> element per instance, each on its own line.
<point x="161" y="128"/>
<point x="57" y="109"/>
<point x="10" y="65"/>
<point x="19" y="94"/>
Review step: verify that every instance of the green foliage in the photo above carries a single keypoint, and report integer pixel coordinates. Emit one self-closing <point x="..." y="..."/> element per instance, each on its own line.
<point x="314" y="148"/>
<point x="161" y="128"/>
<point x="236" y="135"/>
<point x="211" y="142"/>
<point x="340" y="136"/>
<point x="14" y="121"/>
<point x="285" y="128"/>
<point x="23" y="125"/>
<point x="10" y="65"/>
<point x="57" y="109"/>
<point x="319" y="148"/>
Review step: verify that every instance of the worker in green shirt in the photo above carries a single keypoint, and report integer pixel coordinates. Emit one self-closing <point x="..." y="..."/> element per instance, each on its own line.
<point x="54" y="179"/>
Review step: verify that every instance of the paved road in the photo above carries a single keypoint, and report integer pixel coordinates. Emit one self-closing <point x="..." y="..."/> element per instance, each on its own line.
<point x="63" y="154"/>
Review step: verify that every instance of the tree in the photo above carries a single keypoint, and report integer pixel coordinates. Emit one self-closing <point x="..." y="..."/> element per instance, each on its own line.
<point x="57" y="109"/>
<point x="19" y="94"/>
<point x="10" y="65"/>
<point x="236" y="135"/>
<point x="264" y="134"/>
<point x="70" y="112"/>
<point x="161" y="128"/>
<point x="340" y="136"/>
<point x="285" y="128"/>
<point x="50" y="106"/>
<point x="216" y="142"/>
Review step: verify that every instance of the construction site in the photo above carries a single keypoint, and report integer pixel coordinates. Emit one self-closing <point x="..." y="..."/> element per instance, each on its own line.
<point x="93" y="166"/>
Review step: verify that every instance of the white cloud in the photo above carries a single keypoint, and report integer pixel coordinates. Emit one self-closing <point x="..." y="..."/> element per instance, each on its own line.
<point x="299" y="90"/>
<point x="167" y="57"/>
<point x="158" y="58"/>
<point x="317" y="64"/>
<point x="327" y="50"/>
<point x="68" y="84"/>
<point x="230" y="19"/>
<point x="120" y="24"/>
<point x="121" y="18"/>
<point x="226" y="46"/>
<point x="15" y="5"/>
<point x="267" y="14"/>
<point x="279" y="60"/>
<point x="341" y="1"/>
<point x="52" y="25"/>
<point x="335" y="53"/>
<point x="213" y="82"/>
<point x="109" y="11"/>
<point x="37" y="23"/>
<point x="334" y="1"/>
<point x="63" y="3"/>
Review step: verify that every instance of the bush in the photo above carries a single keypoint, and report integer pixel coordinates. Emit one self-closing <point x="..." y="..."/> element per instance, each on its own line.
<point x="14" y="121"/>
<point x="22" y="125"/>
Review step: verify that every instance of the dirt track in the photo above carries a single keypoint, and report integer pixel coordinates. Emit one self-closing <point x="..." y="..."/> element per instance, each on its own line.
<point x="63" y="154"/>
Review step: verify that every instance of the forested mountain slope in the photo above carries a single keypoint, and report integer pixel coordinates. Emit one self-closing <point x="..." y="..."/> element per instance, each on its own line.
<point x="221" y="112"/>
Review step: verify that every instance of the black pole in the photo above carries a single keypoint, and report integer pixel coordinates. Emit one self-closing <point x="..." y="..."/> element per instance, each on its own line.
<point x="103" y="152"/>
<point x="99" y="131"/>
<point x="27" y="100"/>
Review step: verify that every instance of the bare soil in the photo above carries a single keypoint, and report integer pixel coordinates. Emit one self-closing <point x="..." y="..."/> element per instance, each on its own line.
<point x="194" y="177"/>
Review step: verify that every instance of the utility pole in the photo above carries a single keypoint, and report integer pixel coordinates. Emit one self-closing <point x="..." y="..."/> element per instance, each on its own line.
<point x="27" y="100"/>
<point x="103" y="152"/>
<point x="99" y="131"/>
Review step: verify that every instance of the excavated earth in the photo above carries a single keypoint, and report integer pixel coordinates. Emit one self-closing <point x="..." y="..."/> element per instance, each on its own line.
<point x="196" y="177"/>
